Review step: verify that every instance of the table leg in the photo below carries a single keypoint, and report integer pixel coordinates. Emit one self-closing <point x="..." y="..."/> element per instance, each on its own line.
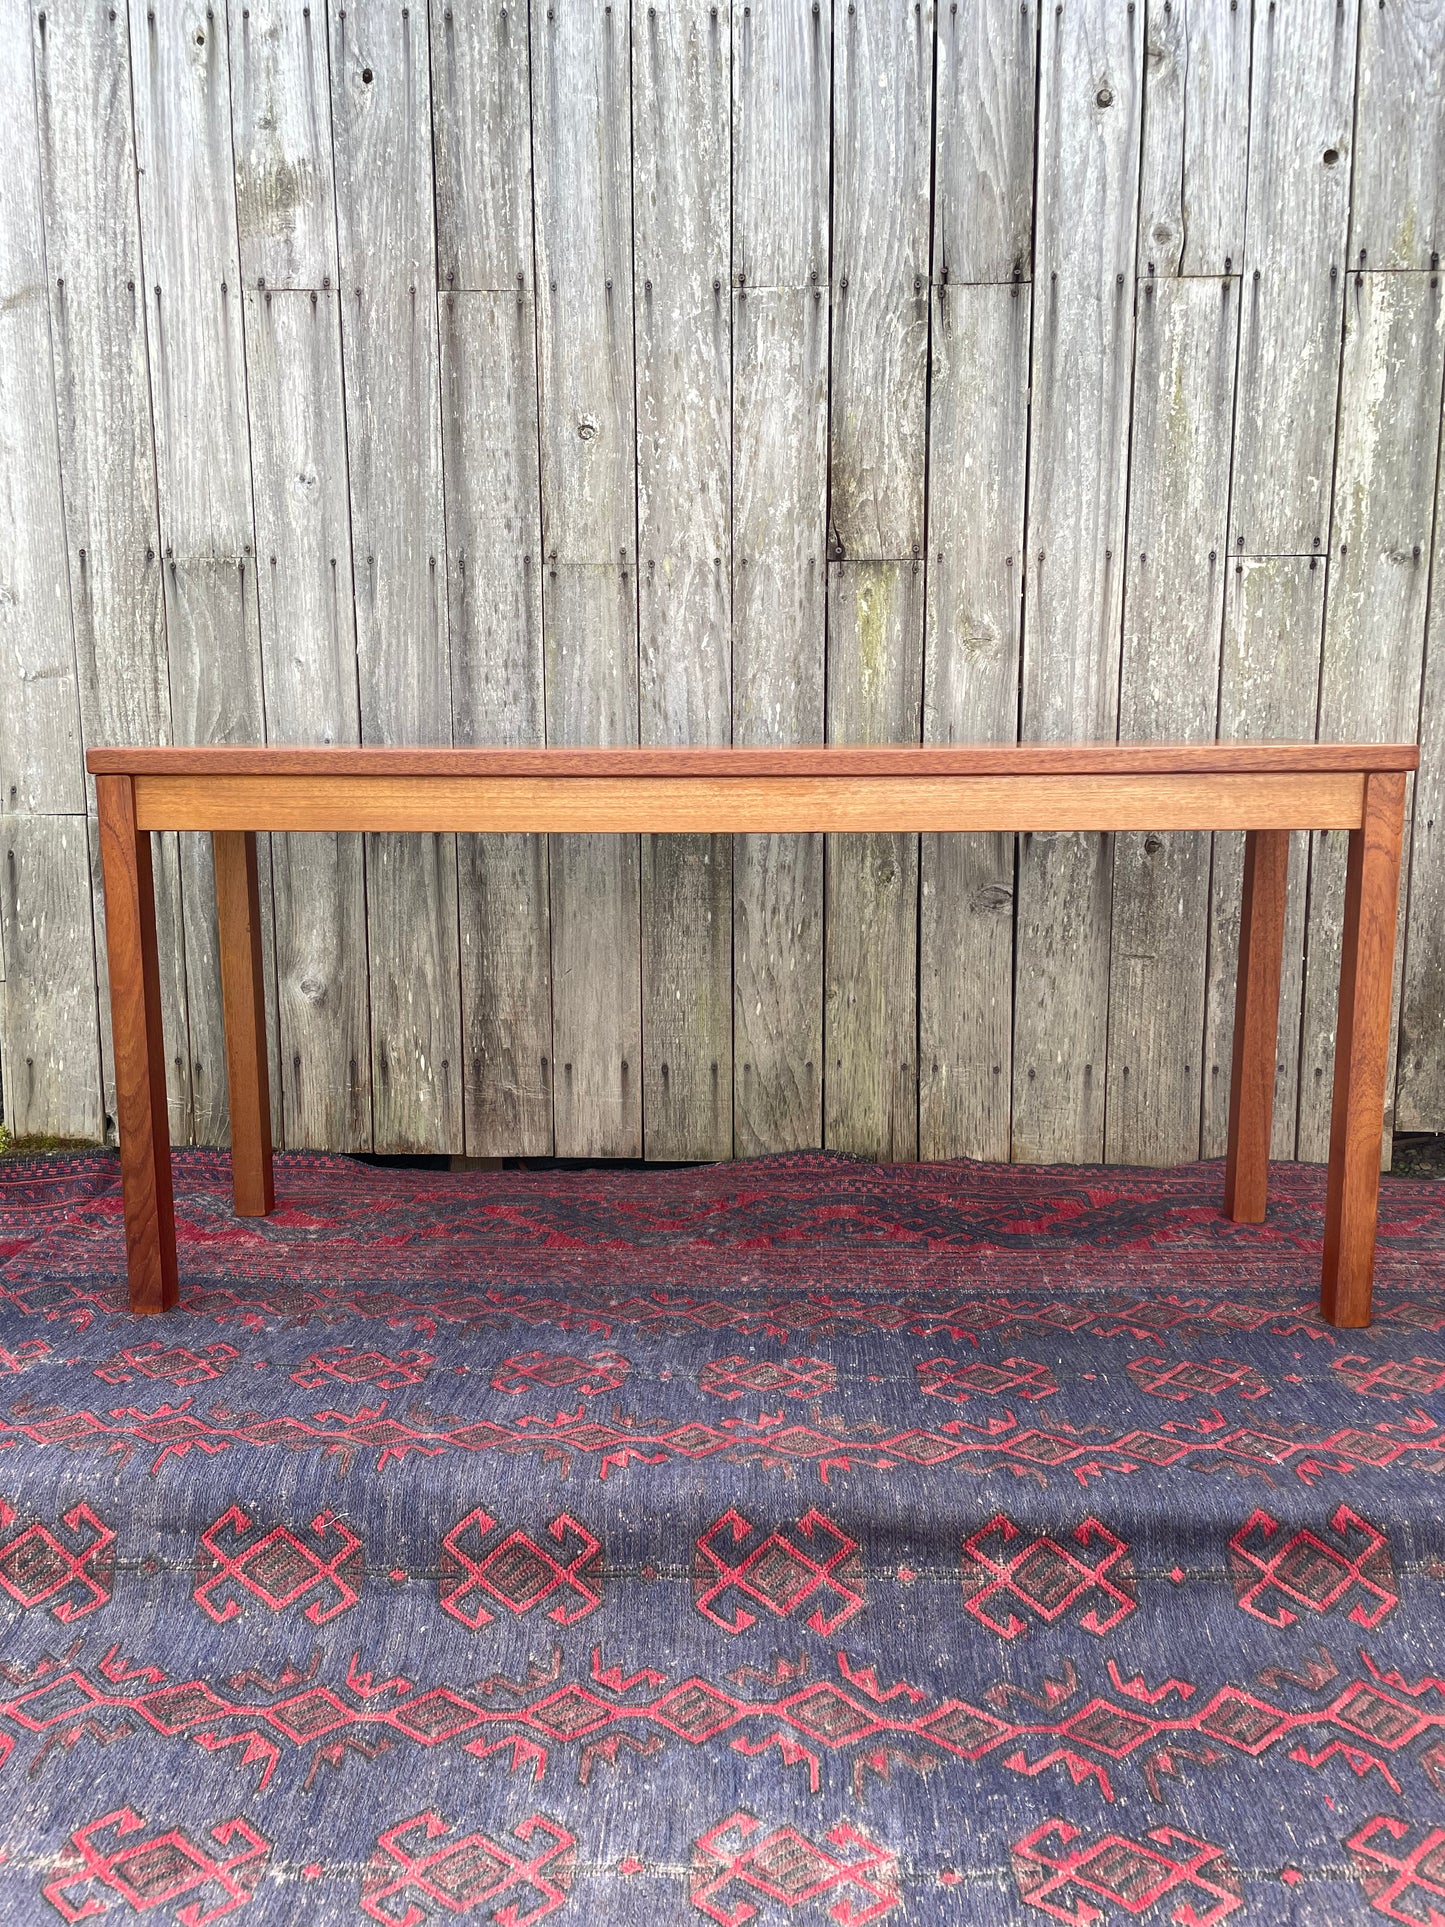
<point x="1256" y="1025"/>
<point x="139" y="1045"/>
<point x="243" y="996"/>
<point x="1362" y="1051"/>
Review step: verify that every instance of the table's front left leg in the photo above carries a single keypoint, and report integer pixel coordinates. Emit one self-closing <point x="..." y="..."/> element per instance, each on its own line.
<point x="243" y="996"/>
<point x="1362" y="1052"/>
<point x="139" y="1046"/>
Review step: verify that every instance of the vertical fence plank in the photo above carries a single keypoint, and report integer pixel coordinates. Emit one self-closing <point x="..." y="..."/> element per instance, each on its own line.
<point x="582" y="162"/>
<point x="882" y="117"/>
<point x="489" y="429"/>
<point x="983" y="209"/>
<point x="977" y="463"/>
<point x="281" y="119"/>
<point x="1398" y="221"/>
<point x="286" y="220"/>
<point x="49" y="1034"/>
<point x="782" y="79"/>
<point x="1196" y="138"/>
<point x="1397" y="217"/>
<point x="1192" y="200"/>
<point x="870" y="1088"/>
<point x="1379" y="579"/>
<point x="1267" y="688"/>
<point x="1301" y="93"/>
<point x="1186" y="339"/>
<point x="682" y="121"/>
<point x="493" y="505"/>
<point x="978" y="446"/>
<point x="181" y="92"/>
<point x="48" y="1021"/>
<point x="107" y="456"/>
<point x="381" y="118"/>
<point x="40" y="745"/>
<point x="1090" y="101"/>
<point x="308" y="637"/>
<point x="1420" y="1090"/>
<point x="1302" y="85"/>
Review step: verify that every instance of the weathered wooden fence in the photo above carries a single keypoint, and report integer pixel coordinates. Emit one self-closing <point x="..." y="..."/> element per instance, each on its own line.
<point x="869" y="370"/>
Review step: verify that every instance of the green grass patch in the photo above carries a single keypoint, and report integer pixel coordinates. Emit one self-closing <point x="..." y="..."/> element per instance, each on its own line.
<point x="41" y="1143"/>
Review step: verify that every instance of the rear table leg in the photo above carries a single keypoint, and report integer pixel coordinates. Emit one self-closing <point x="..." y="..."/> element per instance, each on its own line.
<point x="139" y="1043"/>
<point x="238" y="913"/>
<point x="1362" y="1049"/>
<point x="1256" y="1024"/>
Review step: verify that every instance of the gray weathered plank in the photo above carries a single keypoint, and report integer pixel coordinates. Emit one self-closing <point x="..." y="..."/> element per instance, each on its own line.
<point x="782" y="82"/>
<point x="82" y="71"/>
<point x="286" y="224"/>
<point x="983" y="200"/>
<point x="595" y="881"/>
<point x="1268" y="678"/>
<point x="882" y="89"/>
<point x="481" y="111"/>
<point x="1186" y="339"/>
<point x="1397" y="199"/>
<point x="682" y="253"/>
<point x="1420" y="1086"/>
<point x="40" y="757"/>
<point x="870" y="953"/>
<point x="1384" y="503"/>
<point x="978" y="453"/>
<point x="1301" y="97"/>
<point x="416" y="1077"/>
<point x="882" y="114"/>
<point x="506" y="995"/>
<point x="777" y="994"/>
<point x="782" y="106"/>
<point x="107" y="457"/>
<point x="780" y="481"/>
<point x="49" y="1033"/>
<point x="489" y="435"/>
<point x="682" y="213"/>
<point x="1302" y="82"/>
<point x="308" y="642"/>
<point x="49" y="1030"/>
<point x="381" y="120"/>
<point x="1090" y="102"/>
<point x="39" y="698"/>
<point x="978" y="445"/>
<point x="687" y="1004"/>
<point x="181" y="97"/>
<point x="325" y="1036"/>
<point x="483" y="146"/>
<point x="582" y="163"/>
<point x="1196" y="137"/>
<point x="281" y="120"/>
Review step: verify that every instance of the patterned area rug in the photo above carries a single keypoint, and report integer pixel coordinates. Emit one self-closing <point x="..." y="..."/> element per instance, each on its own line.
<point x="787" y="1542"/>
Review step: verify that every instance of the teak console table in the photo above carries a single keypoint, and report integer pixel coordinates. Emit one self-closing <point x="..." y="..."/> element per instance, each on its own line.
<point x="1265" y="789"/>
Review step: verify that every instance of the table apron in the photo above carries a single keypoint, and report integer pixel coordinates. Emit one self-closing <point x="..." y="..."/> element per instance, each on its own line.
<point x="751" y="804"/>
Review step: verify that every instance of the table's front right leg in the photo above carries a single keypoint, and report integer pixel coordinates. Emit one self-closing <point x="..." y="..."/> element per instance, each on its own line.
<point x="1362" y="1052"/>
<point x="140" y="1067"/>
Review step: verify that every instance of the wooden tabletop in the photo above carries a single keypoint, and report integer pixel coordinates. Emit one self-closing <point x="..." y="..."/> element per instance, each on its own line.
<point x="980" y="759"/>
